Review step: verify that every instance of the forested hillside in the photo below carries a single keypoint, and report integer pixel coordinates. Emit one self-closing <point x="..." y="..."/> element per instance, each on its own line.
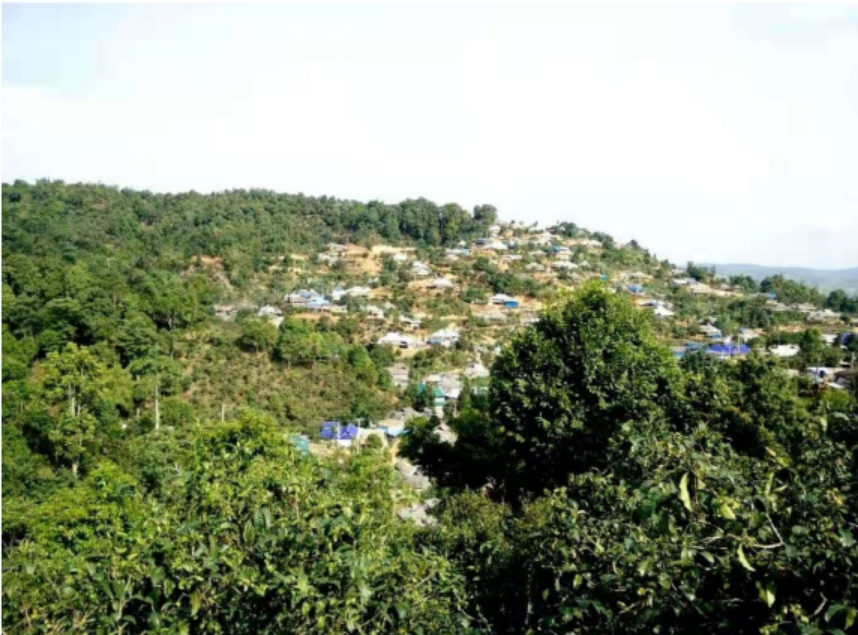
<point x="158" y="375"/>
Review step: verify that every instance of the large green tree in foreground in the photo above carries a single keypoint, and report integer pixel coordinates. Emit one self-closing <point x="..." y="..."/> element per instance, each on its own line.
<point x="650" y="497"/>
<point x="562" y="389"/>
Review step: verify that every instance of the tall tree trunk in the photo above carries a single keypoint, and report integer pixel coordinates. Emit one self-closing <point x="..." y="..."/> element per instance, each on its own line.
<point x="157" y="406"/>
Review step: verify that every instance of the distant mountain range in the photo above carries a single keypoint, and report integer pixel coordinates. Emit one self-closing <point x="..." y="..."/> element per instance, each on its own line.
<point x="824" y="279"/>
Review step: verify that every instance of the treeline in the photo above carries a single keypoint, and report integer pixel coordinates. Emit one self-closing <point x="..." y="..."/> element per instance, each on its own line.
<point x="249" y="229"/>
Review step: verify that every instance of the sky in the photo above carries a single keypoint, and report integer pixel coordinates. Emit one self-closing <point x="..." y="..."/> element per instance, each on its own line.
<point x="712" y="133"/>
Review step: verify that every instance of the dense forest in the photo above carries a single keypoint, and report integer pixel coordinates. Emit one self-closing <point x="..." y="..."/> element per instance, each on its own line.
<point x="151" y="482"/>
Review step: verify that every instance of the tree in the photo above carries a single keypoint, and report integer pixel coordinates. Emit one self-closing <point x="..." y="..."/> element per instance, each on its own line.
<point x="73" y="382"/>
<point x="257" y="335"/>
<point x="563" y="388"/>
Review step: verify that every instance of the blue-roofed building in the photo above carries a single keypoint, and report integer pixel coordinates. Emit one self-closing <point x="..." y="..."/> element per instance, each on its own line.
<point x="635" y="288"/>
<point x="342" y="434"/>
<point x="511" y="304"/>
<point x="319" y="303"/>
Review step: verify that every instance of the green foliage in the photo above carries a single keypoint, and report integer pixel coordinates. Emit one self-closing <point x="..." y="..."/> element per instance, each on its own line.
<point x="250" y="537"/>
<point x="563" y="387"/>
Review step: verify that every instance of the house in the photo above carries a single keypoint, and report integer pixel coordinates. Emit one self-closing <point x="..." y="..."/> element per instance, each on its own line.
<point x="725" y="351"/>
<point x="397" y="340"/>
<point x="511" y="304"/>
<point x="411" y="324"/>
<point x="342" y="435"/>
<point x="785" y="350"/>
<point x="442" y="283"/>
<point x="635" y="288"/>
<point x="329" y="258"/>
<point x="746" y="335"/>
<point x="475" y="370"/>
<point x="848" y="378"/>
<point x="269" y="311"/>
<point x="497" y="245"/>
<point x="560" y="249"/>
<point x="319" y="304"/>
<point x="535" y="267"/>
<point x="300" y="297"/>
<point x="494" y="230"/>
<point x="399" y="374"/>
<point x="358" y="292"/>
<point x="711" y="332"/>
<point x="439" y="397"/>
<point x="662" y="312"/>
<point x="400" y="257"/>
<point x="337" y="294"/>
<point x="821" y="374"/>
<point x="500" y="298"/>
<point x="338" y="308"/>
<point x="444" y="337"/>
<point x="420" y="269"/>
<point x="826" y="315"/>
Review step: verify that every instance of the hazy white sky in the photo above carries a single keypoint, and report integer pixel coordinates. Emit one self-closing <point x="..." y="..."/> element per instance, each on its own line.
<point x="711" y="133"/>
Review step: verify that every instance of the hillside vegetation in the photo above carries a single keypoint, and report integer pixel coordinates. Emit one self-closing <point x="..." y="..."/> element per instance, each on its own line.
<point x="615" y="471"/>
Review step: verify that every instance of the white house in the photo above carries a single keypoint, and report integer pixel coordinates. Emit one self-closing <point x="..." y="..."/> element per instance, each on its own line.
<point x="442" y="283"/>
<point x="410" y="323"/>
<point x="269" y="311"/>
<point x="785" y="350"/>
<point x="662" y="312"/>
<point x="444" y="337"/>
<point x="358" y="292"/>
<point x="420" y="269"/>
<point x="501" y="298"/>
<point x="400" y="257"/>
<point x="397" y="340"/>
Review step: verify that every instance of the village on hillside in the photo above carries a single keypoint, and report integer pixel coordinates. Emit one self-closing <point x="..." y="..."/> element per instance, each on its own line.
<point x="443" y="314"/>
